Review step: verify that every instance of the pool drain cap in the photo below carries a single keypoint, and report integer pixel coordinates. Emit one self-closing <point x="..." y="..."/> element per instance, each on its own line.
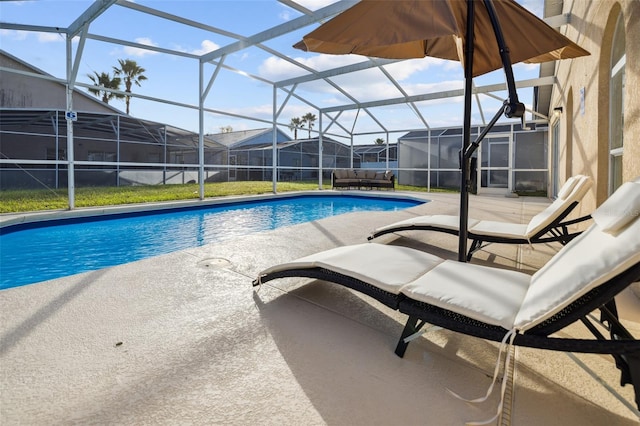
<point x="214" y="263"/>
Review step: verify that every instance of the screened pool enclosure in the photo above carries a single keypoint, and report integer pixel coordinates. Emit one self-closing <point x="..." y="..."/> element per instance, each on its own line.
<point x="108" y="150"/>
<point x="42" y="145"/>
<point x="298" y="160"/>
<point x="510" y="159"/>
<point x="116" y="150"/>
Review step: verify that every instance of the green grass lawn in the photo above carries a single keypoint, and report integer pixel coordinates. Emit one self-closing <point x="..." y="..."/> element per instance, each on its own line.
<point x="47" y="199"/>
<point x="15" y="201"/>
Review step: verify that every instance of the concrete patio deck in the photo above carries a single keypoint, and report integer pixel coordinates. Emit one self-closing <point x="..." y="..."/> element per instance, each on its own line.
<point x="184" y="339"/>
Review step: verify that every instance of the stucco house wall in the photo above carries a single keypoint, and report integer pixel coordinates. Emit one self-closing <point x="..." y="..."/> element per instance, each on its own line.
<point x="583" y="92"/>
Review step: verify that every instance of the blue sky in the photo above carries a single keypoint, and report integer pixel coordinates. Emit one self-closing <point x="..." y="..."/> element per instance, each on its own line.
<point x="176" y="78"/>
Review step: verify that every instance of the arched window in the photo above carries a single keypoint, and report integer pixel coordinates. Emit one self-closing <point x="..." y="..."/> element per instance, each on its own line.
<point x="616" y="106"/>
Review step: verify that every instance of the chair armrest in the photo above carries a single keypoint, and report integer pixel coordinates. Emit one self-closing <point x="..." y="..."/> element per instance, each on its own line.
<point x="574" y="221"/>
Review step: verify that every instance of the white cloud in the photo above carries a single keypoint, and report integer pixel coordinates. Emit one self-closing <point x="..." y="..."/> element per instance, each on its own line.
<point x="261" y="111"/>
<point x="276" y="69"/>
<point x="50" y="37"/>
<point x="315" y="4"/>
<point x="285" y="15"/>
<point x="206" y="46"/>
<point x="534" y="6"/>
<point x="14" y="34"/>
<point x="367" y="85"/>
<point x="526" y="67"/>
<point x="18" y="35"/>
<point x="441" y="86"/>
<point x="135" y="51"/>
<point x="403" y="70"/>
<point x="370" y="84"/>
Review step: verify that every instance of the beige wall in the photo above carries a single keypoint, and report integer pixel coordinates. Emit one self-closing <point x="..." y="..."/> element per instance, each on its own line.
<point x="584" y="140"/>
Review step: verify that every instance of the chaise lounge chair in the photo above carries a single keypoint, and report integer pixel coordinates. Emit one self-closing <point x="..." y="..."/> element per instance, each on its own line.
<point x="493" y="303"/>
<point x="547" y="226"/>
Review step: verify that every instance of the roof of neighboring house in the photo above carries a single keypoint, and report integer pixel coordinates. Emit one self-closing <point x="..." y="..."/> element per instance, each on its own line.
<point x="452" y="131"/>
<point x="94" y="123"/>
<point x="53" y="79"/>
<point x="232" y="138"/>
<point x="252" y="137"/>
<point x="100" y="120"/>
<point x="285" y="144"/>
<point x="364" y="149"/>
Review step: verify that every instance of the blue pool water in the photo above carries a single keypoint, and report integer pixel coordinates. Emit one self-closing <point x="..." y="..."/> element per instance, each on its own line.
<point x="35" y="252"/>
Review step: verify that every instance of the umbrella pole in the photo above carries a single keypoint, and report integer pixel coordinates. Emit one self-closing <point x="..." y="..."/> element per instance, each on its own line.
<point x="466" y="135"/>
<point x="512" y="107"/>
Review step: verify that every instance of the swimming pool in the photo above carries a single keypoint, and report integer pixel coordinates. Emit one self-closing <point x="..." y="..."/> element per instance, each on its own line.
<point x="39" y="251"/>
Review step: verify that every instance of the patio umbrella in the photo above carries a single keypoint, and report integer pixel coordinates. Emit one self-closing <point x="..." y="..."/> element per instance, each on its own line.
<point x="491" y="34"/>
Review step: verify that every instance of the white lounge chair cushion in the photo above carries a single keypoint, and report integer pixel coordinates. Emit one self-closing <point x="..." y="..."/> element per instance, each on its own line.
<point x="486" y="294"/>
<point x="437" y="220"/>
<point x="542" y="219"/>
<point x="573" y="190"/>
<point x="499" y="229"/>
<point x="479" y="227"/>
<point x="586" y="262"/>
<point x="568" y="186"/>
<point x="621" y="207"/>
<point x="386" y="267"/>
<point x="495" y="296"/>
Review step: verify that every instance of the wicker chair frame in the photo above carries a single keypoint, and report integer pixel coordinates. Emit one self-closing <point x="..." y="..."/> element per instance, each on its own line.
<point x="555" y="231"/>
<point x="620" y="343"/>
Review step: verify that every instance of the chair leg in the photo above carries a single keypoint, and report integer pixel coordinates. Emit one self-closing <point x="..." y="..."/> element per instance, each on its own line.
<point x="410" y="328"/>
<point x="475" y="246"/>
<point x="633" y="378"/>
<point x="629" y="363"/>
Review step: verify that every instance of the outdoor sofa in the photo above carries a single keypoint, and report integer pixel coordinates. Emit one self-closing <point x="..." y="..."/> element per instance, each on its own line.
<point x="359" y="178"/>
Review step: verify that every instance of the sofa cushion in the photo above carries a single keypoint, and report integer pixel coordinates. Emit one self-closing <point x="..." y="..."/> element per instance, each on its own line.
<point x="369" y="174"/>
<point x="340" y="174"/>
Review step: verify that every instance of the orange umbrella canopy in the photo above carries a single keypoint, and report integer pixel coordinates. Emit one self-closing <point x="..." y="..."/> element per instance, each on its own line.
<point x="403" y="29"/>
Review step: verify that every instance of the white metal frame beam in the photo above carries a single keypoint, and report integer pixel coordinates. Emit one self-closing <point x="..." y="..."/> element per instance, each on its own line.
<point x="543" y="81"/>
<point x="281" y="29"/>
<point x="89" y="15"/>
<point x="80" y="26"/>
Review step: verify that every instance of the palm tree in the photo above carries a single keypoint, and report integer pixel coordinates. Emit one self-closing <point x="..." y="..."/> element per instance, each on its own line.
<point x="132" y="73"/>
<point x="296" y="123"/>
<point x="310" y="119"/>
<point x="104" y="81"/>
<point x="379" y="141"/>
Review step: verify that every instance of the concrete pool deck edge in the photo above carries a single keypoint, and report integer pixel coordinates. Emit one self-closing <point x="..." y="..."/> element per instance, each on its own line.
<point x="8" y="219"/>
